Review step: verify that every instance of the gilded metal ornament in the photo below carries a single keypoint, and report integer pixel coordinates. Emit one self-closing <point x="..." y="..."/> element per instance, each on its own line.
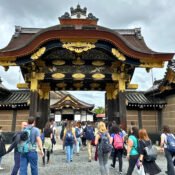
<point x="78" y="47"/>
<point x="58" y="76"/>
<point x="78" y="76"/>
<point x="39" y="53"/>
<point x="98" y="63"/>
<point x="58" y="62"/>
<point x="61" y="85"/>
<point x="95" y="85"/>
<point x="78" y="61"/>
<point x="78" y="85"/>
<point x="145" y="64"/>
<point x="118" y="55"/>
<point x="98" y="76"/>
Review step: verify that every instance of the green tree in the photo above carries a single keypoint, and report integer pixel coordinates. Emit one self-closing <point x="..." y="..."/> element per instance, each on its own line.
<point x="99" y="110"/>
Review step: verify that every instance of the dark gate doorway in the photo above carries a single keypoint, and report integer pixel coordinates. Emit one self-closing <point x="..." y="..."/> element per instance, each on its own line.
<point x="68" y="117"/>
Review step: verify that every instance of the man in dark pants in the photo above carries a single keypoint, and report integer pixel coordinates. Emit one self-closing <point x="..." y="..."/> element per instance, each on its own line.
<point x="16" y="139"/>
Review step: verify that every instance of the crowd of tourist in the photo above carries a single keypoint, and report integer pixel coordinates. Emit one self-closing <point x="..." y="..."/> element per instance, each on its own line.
<point x="109" y="140"/>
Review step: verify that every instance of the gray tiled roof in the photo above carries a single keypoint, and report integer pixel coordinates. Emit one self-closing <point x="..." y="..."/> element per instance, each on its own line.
<point x="138" y="99"/>
<point x="16" y="97"/>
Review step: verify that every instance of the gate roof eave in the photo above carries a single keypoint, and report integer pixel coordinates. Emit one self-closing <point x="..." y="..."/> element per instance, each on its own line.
<point x="32" y="42"/>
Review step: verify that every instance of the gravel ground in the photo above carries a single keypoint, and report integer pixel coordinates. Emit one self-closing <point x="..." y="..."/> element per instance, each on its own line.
<point x="79" y="166"/>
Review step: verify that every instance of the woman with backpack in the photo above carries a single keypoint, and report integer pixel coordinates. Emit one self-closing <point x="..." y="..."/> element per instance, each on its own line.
<point x="118" y="143"/>
<point x="165" y="137"/>
<point x="78" y="135"/>
<point x="69" y="139"/>
<point x="132" y="149"/>
<point x="47" y="143"/>
<point x="149" y="164"/>
<point x="103" y="155"/>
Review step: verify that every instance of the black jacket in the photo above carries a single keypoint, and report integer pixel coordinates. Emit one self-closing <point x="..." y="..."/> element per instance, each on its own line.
<point x="15" y="141"/>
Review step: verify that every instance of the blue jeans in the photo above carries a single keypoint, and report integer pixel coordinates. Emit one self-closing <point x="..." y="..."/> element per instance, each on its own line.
<point x="32" y="158"/>
<point x="69" y="152"/>
<point x="103" y="162"/>
<point x="170" y="165"/>
<point x="78" y="145"/>
<point x="17" y="163"/>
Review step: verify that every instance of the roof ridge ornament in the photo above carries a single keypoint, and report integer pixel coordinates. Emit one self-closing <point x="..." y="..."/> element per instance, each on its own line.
<point x="78" y="13"/>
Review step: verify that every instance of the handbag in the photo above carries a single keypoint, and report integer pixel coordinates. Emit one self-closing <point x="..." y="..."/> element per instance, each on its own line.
<point x="150" y="153"/>
<point x="140" y="170"/>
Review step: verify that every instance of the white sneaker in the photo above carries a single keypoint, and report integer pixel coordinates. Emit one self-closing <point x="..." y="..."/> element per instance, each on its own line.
<point x="1" y="168"/>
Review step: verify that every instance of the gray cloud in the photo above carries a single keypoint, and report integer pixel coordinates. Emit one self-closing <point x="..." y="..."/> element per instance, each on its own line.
<point x="156" y="18"/>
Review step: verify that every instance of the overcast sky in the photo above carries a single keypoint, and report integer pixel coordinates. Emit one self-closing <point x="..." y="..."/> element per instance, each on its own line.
<point x="155" y="17"/>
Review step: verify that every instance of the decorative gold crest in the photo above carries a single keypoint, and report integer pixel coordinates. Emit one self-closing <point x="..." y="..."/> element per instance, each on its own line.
<point x="98" y="76"/>
<point x="37" y="54"/>
<point x="78" y="76"/>
<point x="98" y="63"/>
<point x="58" y="62"/>
<point x="78" y="47"/>
<point x="58" y="76"/>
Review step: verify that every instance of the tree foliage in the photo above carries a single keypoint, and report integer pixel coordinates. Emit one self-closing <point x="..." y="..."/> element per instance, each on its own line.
<point x="99" y="110"/>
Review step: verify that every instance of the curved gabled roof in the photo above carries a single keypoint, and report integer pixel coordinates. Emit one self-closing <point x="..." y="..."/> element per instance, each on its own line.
<point x="69" y="99"/>
<point x="129" y="41"/>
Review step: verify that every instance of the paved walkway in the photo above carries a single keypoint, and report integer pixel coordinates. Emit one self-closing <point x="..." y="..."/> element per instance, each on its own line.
<point x="79" y="166"/>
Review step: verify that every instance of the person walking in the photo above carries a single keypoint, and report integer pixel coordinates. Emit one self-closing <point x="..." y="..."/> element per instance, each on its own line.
<point x="15" y="141"/>
<point x="47" y="145"/>
<point x="164" y="146"/>
<point x="69" y="139"/>
<point x="52" y="126"/>
<point x="103" y="157"/>
<point x="31" y="156"/>
<point x="150" y="167"/>
<point x="132" y="149"/>
<point x="78" y="135"/>
<point x="89" y="134"/>
<point x="118" y="143"/>
<point x="2" y="139"/>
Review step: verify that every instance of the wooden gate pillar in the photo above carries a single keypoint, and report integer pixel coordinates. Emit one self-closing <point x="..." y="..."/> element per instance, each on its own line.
<point x="112" y="108"/>
<point x="44" y="104"/>
<point x="122" y="109"/>
<point x="122" y="99"/>
<point x="115" y="100"/>
<point x="34" y="97"/>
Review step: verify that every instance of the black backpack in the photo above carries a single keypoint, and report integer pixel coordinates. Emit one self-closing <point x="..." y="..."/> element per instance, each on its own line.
<point x="150" y="152"/>
<point x="104" y="144"/>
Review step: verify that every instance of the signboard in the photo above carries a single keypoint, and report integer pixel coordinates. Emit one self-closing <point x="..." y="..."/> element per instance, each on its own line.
<point x="57" y="118"/>
<point x="90" y="118"/>
<point x="77" y="117"/>
<point x="67" y="111"/>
